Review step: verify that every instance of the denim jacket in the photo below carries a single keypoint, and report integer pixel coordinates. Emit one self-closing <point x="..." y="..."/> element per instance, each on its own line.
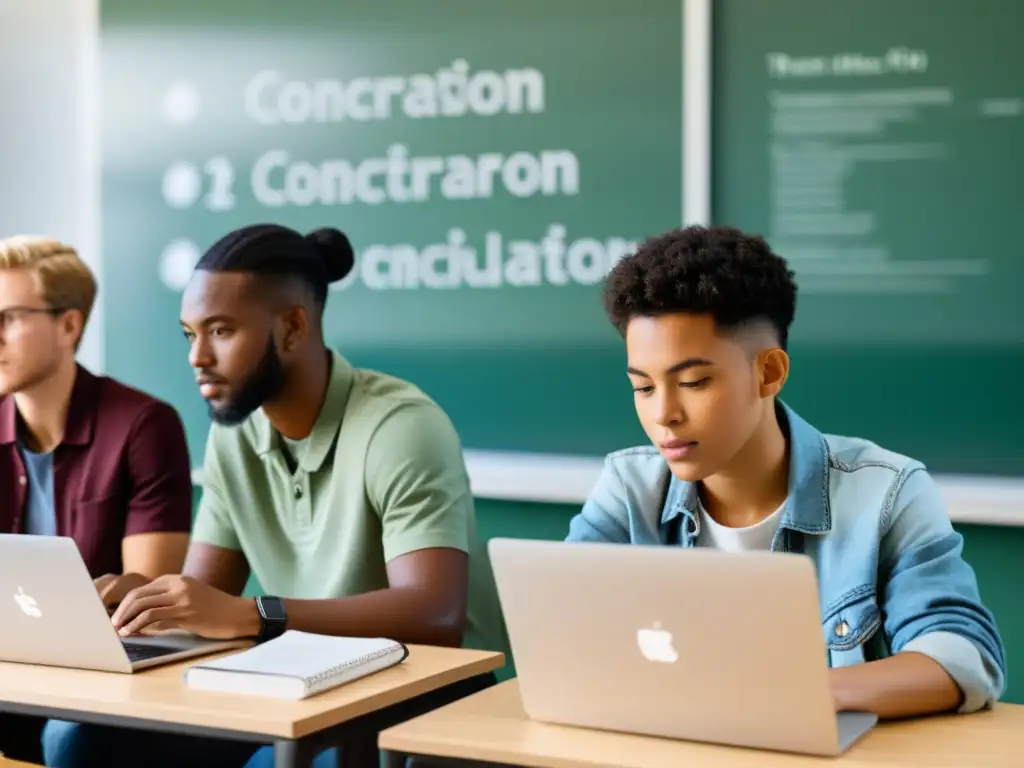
<point x="890" y="572"/>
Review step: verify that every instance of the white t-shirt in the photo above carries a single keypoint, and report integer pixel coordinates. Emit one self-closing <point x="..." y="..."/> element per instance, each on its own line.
<point x="754" y="537"/>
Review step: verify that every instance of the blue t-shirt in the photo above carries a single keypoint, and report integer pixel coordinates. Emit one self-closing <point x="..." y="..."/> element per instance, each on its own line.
<point x="40" y="520"/>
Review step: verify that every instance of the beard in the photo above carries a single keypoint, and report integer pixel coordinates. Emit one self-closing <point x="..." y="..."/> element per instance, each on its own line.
<point x="28" y="376"/>
<point x="263" y="384"/>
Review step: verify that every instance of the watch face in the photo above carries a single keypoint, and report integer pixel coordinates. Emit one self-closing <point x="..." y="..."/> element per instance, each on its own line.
<point x="272" y="609"/>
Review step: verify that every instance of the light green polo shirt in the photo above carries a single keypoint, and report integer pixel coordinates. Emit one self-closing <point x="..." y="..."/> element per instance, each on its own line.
<point x="382" y="474"/>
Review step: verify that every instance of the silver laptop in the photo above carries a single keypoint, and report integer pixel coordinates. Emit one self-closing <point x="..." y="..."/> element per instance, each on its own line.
<point x="692" y="644"/>
<point x="52" y="614"/>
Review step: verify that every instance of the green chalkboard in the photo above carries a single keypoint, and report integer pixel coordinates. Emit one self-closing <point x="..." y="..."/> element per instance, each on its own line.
<point x="879" y="145"/>
<point x="489" y="160"/>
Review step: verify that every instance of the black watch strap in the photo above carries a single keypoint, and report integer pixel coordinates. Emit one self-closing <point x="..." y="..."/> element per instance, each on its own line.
<point x="273" y="619"/>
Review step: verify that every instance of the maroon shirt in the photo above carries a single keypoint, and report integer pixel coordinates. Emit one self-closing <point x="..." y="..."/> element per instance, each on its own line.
<point x="121" y="469"/>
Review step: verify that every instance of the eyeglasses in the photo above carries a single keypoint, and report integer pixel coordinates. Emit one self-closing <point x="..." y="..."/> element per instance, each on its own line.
<point x="11" y="315"/>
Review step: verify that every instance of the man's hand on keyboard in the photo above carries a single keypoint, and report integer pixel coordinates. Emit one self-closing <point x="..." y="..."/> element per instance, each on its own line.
<point x="181" y="602"/>
<point x="112" y="587"/>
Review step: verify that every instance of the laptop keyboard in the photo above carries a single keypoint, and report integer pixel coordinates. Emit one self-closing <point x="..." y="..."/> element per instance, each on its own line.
<point x="138" y="652"/>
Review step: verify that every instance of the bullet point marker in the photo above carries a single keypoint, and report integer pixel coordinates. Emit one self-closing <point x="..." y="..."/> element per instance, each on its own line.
<point x="181" y="104"/>
<point x="181" y="185"/>
<point x="177" y="263"/>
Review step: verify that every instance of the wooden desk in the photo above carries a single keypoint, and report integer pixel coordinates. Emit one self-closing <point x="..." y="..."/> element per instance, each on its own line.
<point x="491" y="728"/>
<point x="5" y="763"/>
<point x="157" y="700"/>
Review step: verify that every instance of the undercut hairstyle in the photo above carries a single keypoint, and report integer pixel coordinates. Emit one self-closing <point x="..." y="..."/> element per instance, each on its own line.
<point x="717" y="271"/>
<point x="272" y="253"/>
<point x="63" y="279"/>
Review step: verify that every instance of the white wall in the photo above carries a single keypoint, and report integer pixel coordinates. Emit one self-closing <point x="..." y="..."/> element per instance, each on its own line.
<point x="49" y="171"/>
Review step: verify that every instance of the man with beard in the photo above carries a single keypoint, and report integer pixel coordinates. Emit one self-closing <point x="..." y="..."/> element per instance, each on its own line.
<point x="344" y="491"/>
<point x="81" y="456"/>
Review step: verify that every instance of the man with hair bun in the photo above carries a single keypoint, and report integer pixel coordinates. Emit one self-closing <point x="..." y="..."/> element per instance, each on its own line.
<point x="344" y="491"/>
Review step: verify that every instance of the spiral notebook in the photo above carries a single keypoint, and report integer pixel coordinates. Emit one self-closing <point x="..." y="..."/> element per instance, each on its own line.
<point x="296" y="665"/>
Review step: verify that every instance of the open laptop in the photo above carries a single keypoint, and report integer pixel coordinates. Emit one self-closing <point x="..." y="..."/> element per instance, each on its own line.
<point x="692" y="644"/>
<point x="52" y="614"/>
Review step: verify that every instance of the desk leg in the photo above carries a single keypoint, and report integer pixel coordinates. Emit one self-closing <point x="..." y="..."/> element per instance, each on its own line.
<point x="291" y="753"/>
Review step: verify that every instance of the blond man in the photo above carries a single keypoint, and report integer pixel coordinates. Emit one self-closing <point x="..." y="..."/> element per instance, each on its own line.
<point x="81" y="455"/>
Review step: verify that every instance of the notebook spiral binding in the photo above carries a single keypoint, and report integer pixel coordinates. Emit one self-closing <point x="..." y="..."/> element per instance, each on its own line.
<point x="337" y="669"/>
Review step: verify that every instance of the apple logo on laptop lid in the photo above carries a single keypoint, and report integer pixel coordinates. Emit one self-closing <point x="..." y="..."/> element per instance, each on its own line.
<point x="28" y="604"/>
<point x="657" y="644"/>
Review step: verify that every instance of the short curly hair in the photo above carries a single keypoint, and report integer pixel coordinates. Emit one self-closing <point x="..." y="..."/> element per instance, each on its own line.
<point x="719" y="271"/>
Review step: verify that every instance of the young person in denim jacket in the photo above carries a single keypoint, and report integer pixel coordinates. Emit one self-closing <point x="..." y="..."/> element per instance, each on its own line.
<point x="705" y="315"/>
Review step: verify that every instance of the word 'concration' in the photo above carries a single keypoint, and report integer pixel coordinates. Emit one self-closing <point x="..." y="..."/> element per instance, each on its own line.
<point x="272" y="97"/>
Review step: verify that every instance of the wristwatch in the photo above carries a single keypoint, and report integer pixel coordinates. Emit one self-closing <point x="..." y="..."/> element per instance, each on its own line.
<point x="273" y="618"/>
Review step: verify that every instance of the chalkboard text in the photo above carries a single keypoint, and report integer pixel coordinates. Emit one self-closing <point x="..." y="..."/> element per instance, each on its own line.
<point x="895" y="61"/>
<point x="501" y="262"/>
<point x="279" y="180"/>
<point x="271" y="98"/>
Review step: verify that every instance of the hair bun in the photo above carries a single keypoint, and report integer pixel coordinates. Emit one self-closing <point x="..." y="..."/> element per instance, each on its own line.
<point x="335" y="249"/>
